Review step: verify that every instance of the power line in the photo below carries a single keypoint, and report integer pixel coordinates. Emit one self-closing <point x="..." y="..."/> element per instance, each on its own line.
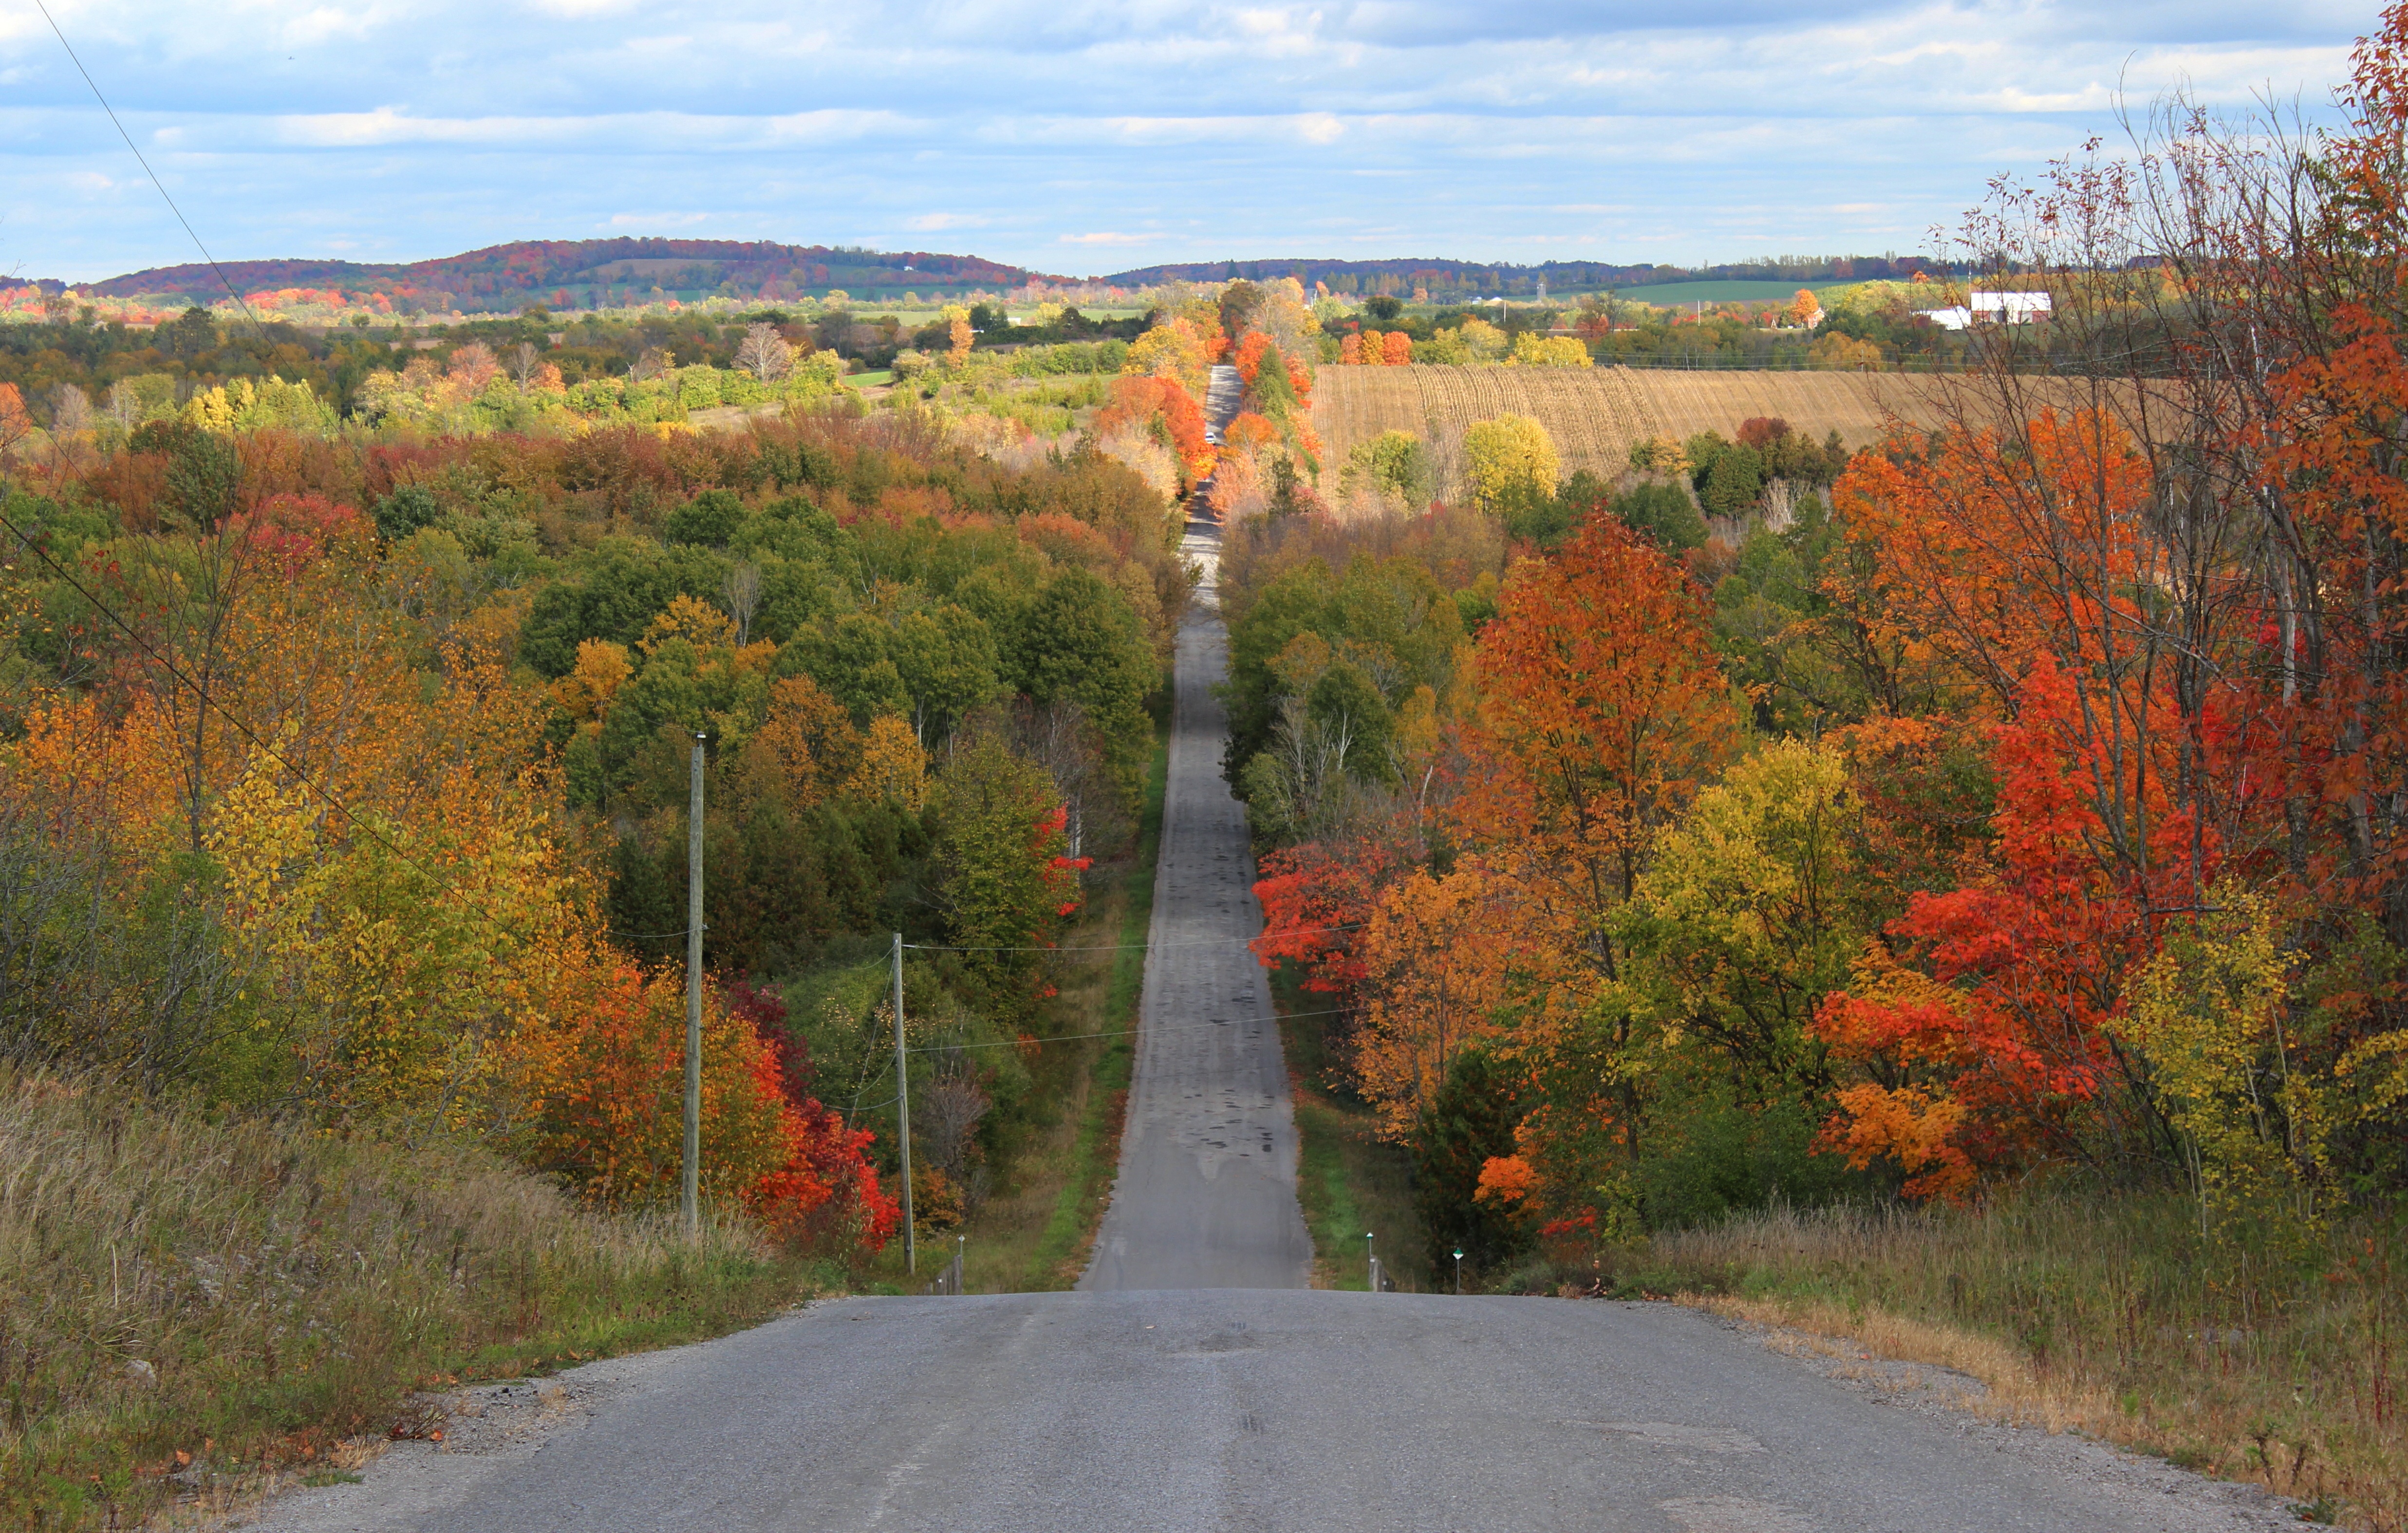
<point x="1126" y="947"/>
<point x="1123" y="1032"/>
<point x="248" y="733"/>
<point x="104" y="107"/>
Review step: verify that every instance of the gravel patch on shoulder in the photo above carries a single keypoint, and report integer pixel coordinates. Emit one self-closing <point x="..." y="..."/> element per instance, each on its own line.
<point x="486" y="1429"/>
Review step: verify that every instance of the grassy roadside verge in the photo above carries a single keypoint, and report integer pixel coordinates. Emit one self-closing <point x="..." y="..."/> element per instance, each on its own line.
<point x="1349" y="1184"/>
<point x="248" y="1295"/>
<point x="1034" y="1232"/>
<point x="2102" y="1314"/>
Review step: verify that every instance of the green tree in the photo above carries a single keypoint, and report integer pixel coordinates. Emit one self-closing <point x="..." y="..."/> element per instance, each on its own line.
<point x="946" y="658"/>
<point x="1394" y="462"/>
<point x="403" y="512"/>
<point x="1469" y="1120"/>
<point x="1003" y="879"/>
<point x="1733" y="482"/>
<point x="1663" y="513"/>
<point x="1077" y="640"/>
<point x="710" y="519"/>
<point x="851" y="656"/>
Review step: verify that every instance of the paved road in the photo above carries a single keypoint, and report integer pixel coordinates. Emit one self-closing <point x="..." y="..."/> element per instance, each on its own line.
<point x="1206" y="1194"/>
<point x="1235" y="1410"/>
<point x="1197" y="1386"/>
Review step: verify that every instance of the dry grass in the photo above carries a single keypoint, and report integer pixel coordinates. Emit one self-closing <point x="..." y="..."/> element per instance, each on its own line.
<point x="2106" y="1316"/>
<point x="187" y="1302"/>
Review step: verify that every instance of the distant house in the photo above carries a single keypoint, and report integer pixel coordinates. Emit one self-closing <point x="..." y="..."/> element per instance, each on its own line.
<point x="1990" y="308"/>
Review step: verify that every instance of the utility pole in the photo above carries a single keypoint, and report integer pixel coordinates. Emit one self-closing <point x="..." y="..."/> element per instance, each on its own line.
<point x="903" y="1112"/>
<point x="693" y="1199"/>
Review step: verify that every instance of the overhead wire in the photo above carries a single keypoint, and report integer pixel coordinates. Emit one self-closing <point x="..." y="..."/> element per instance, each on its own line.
<point x="1121" y="1032"/>
<point x="1126" y="947"/>
<point x="241" y="302"/>
<point x="330" y="799"/>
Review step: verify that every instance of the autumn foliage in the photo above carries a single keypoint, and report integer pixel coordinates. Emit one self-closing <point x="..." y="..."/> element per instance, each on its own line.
<point x="2066" y="843"/>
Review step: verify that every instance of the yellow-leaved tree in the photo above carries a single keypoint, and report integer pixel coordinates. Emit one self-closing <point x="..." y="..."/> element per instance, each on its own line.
<point x="2211" y="1015"/>
<point x="1173" y="350"/>
<point x="1509" y="459"/>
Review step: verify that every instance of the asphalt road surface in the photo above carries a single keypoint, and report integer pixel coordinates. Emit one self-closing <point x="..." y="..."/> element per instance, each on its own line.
<point x="1237" y="1410"/>
<point x="1197" y="1384"/>
<point x="1206" y="1194"/>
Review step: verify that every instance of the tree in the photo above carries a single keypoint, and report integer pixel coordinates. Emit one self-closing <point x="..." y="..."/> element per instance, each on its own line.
<point x="1509" y="459"/>
<point x="709" y="519"/>
<point x="1008" y="878"/>
<point x="1600" y="715"/>
<point x="1733" y="481"/>
<point x="1076" y="642"/>
<point x="1392" y="463"/>
<point x="763" y="353"/>
<point x="1172" y="349"/>
<point x="1751" y="911"/>
<point x="1469" y="1123"/>
<point x="15" y="423"/>
<point x="1661" y="512"/>
<point x="1165" y="409"/>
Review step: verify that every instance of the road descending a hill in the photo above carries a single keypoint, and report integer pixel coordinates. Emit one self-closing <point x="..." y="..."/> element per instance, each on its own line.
<point x="1206" y="1195"/>
<point x="1195" y="1385"/>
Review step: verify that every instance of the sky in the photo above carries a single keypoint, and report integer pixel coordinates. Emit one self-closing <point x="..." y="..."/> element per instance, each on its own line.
<point x="1085" y="136"/>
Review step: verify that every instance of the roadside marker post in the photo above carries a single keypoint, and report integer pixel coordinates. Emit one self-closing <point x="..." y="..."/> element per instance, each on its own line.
<point x="1459" y="1269"/>
<point x="1370" y="1262"/>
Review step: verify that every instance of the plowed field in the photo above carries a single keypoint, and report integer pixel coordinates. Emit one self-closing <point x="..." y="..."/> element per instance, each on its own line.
<point x="1596" y="413"/>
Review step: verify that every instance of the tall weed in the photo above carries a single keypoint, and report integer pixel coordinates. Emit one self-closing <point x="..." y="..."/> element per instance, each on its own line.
<point x="247" y="1293"/>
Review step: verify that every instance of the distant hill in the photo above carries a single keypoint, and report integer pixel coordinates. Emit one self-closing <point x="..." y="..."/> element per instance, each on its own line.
<point x="611" y="273"/>
<point x="583" y="273"/>
<point x="1447" y="279"/>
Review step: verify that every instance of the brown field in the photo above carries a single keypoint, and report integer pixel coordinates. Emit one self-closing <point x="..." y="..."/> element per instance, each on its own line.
<point x="1595" y="414"/>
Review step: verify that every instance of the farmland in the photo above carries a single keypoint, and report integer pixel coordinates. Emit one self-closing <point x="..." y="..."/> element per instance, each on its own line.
<point x="1594" y="415"/>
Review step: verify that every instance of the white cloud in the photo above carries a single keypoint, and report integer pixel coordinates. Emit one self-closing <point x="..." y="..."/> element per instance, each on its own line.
<point x="1229" y="127"/>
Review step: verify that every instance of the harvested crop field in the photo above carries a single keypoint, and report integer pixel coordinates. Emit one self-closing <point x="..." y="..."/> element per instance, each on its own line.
<point x="1596" y="413"/>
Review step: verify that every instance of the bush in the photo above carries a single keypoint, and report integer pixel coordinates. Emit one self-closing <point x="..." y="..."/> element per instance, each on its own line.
<point x="1717" y="1159"/>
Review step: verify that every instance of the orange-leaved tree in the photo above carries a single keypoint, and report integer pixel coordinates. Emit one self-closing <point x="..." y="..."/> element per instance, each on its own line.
<point x="600" y="1070"/>
<point x="1601" y="713"/>
<point x="1163" y="407"/>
